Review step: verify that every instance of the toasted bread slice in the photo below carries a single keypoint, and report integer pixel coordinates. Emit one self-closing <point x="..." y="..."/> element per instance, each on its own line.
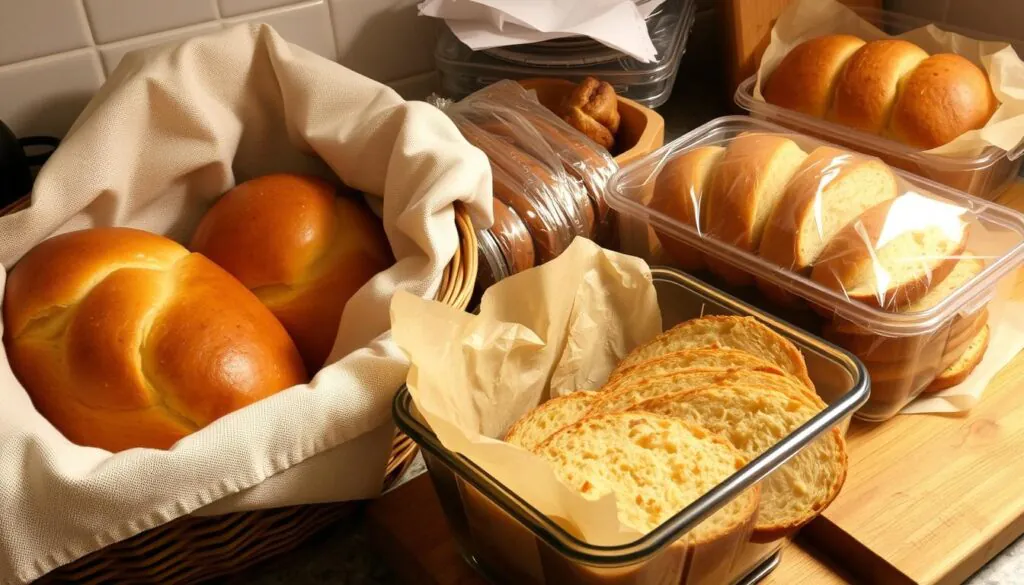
<point x="960" y="369"/>
<point x="648" y="462"/>
<point x="753" y="419"/>
<point x="742" y="333"/>
<point x="702" y="357"/>
<point x="541" y="422"/>
<point x="643" y="389"/>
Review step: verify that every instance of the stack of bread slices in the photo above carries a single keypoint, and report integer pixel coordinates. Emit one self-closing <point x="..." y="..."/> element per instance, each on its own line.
<point x="841" y="219"/>
<point x="682" y="413"/>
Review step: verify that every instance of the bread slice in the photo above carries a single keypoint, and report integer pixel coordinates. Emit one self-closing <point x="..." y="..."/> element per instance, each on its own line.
<point x="655" y="466"/>
<point x="677" y="193"/>
<point x="893" y="254"/>
<point x="640" y="390"/>
<point x="805" y="78"/>
<point x="745" y="185"/>
<point x="704" y="357"/>
<point x="541" y="422"/>
<point x="960" y="369"/>
<point x="868" y="86"/>
<point x="742" y="333"/>
<point x="753" y="419"/>
<point x="829" y="190"/>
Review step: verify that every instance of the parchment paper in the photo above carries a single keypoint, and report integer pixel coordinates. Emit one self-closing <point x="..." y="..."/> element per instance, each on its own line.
<point x="545" y="332"/>
<point x="806" y="19"/>
<point x="1006" y="322"/>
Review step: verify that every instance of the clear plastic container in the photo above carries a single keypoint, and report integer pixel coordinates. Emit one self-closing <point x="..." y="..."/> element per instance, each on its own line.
<point x="869" y="286"/>
<point x="509" y="541"/>
<point x="464" y="71"/>
<point x="984" y="175"/>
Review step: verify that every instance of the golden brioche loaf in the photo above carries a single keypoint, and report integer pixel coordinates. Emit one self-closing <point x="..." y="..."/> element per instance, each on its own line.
<point x="302" y="249"/>
<point x="888" y="87"/>
<point x="813" y="66"/>
<point x="124" y="339"/>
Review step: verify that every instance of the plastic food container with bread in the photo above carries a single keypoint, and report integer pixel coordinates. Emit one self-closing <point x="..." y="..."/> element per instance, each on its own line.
<point x="719" y="439"/>
<point x="897" y="269"/>
<point x="917" y="99"/>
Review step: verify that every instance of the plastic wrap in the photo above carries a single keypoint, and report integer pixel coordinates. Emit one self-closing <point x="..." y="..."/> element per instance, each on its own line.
<point x="552" y="177"/>
<point x="899" y="270"/>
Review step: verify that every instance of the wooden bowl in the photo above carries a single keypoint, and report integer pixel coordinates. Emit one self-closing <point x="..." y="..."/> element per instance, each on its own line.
<point x="642" y="130"/>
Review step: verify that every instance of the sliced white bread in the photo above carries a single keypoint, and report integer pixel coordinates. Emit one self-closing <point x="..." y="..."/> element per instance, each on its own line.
<point x="870" y="346"/>
<point x="626" y="395"/>
<point x="745" y="186"/>
<point x="678" y="193"/>
<point x="650" y="463"/>
<point x="932" y="357"/>
<point x="753" y="419"/>
<point x="742" y="333"/>
<point x="962" y="367"/>
<point x="895" y="252"/>
<point x="830" y="189"/>
<point x="703" y="357"/>
<point x="541" y="422"/>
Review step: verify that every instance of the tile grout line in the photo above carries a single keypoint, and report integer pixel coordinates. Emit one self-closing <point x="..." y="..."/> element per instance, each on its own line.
<point x="334" y="32"/>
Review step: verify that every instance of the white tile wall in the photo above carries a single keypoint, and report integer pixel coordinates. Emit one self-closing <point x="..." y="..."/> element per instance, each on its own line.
<point x="1002" y="19"/>
<point x="55" y="54"/>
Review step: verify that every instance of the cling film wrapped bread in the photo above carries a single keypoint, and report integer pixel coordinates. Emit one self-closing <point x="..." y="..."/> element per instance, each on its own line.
<point x="892" y="265"/>
<point x="552" y="176"/>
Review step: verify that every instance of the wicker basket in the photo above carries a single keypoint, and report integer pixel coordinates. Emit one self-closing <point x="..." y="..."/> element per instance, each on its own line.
<point x="192" y="549"/>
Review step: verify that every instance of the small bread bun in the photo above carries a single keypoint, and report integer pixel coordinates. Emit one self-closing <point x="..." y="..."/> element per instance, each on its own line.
<point x="944" y="97"/>
<point x="301" y="248"/>
<point x="804" y="80"/>
<point x="867" y="87"/>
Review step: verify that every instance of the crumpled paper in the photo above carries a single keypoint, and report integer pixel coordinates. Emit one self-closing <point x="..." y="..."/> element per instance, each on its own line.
<point x="486" y="24"/>
<point x="545" y="332"/>
<point x="806" y="19"/>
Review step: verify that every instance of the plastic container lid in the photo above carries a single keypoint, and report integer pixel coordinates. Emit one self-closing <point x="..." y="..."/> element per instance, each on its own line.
<point x="576" y="58"/>
<point x="877" y="247"/>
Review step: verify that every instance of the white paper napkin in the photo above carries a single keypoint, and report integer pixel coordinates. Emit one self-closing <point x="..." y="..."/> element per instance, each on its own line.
<point x="485" y="24"/>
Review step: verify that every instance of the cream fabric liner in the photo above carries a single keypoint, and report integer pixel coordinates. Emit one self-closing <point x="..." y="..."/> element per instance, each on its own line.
<point x="173" y="128"/>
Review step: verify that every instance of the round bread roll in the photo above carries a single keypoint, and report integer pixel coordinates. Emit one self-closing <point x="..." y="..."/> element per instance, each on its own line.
<point x="867" y="87"/>
<point x="124" y="339"/>
<point x="945" y="96"/>
<point x="303" y="250"/>
<point x="804" y="79"/>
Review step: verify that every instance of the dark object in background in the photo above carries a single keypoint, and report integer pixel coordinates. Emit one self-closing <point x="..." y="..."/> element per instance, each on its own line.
<point x="16" y="166"/>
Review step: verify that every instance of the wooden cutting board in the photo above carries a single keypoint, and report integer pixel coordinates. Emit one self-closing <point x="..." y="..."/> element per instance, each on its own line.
<point x="928" y="500"/>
